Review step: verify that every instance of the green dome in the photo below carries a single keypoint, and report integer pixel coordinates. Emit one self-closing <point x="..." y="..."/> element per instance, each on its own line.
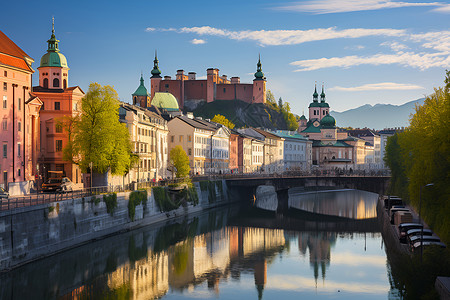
<point x="314" y="104"/>
<point x="259" y="75"/>
<point x="323" y="104"/>
<point x="328" y="121"/>
<point x="165" y="101"/>
<point x="53" y="59"/>
<point x="303" y="117"/>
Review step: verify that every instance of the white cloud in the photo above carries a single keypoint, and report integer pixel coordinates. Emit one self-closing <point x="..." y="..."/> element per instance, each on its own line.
<point x="377" y="87"/>
<point x="421" y="61"/>
<point x="150" y="29"/>
<point x="443" y="9"/>
<point x="397" y="47"/>
<point x="289" y="37"/>
<point x="356" y="47"/>
<point x="198" y="41"/>
<point x="438" y="40"/>
<point x="333" y="6"/>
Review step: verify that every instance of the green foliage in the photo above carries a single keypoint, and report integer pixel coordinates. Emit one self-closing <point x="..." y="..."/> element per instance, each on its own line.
<point x="162" y="199"/>
<point x="136" y="198"/>
<point x="95" y="200"/>
<point x="136" y="253"/>
<point x="421" y="154"/>
<point x="180" y="258"/>
<point x="212" y="195"/>
<point x="180" y="160"/>
<point x="165" y="203"/>
<point x="270" y="98"/>
<point x="204" y="185"/>
<point x="111" y="202"/>
<point x="172" y="234"/>
<point x="280" y="102"/>
<point x="222" y="120"/>
<point x="97" y="136"/>
<point x="51" y="208"/>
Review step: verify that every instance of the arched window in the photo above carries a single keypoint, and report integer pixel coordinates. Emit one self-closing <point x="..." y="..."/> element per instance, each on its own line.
<point x="65" y="83"/>
<point x="46" y="83"/>
<point x="56" y="82"/>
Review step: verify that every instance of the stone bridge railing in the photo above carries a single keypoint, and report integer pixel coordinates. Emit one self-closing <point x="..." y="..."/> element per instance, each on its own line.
<point x="375" y="184"/>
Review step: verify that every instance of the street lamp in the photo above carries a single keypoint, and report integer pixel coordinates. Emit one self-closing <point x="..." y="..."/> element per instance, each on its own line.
<point x="421" y="222"/>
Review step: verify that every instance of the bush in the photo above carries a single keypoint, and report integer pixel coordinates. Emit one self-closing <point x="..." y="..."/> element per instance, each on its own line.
<point x="204" y="185"/>
<point x="136" y="198"/>
<point x="111" y="202"/>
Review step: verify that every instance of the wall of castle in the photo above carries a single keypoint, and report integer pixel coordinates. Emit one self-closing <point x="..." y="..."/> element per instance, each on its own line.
<point x="195" y="90"/>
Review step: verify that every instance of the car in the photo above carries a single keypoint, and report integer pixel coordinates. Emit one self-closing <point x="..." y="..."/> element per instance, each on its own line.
<point x="426" y="238"/>
<point x="424" y="244"/>
<point x="413" y="232"/>
<point x="396" y="209"/>
<point x="57" y="184"/>
<point x="404" y="227"/>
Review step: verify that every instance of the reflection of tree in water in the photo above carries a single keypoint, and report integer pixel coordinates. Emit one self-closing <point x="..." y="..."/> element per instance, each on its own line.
<point x="172" y="234"/>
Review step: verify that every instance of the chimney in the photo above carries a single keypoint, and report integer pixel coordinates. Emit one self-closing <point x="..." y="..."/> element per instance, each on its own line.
<point x="191" y="75"/>
<point x="235" y="80"/>
<point x="190" y="115"/>
<point x="167" y="78"/>
<point x="180" y="74"/>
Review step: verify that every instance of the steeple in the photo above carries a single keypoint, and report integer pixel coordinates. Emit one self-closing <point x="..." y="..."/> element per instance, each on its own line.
<point x="259" y="75"/>
<point x="315" y="95"/>
<point x="156" y="73"/>
<point x="53" y="42"/>
<point x="141" y="90"/>
<point x="322" y="95"/>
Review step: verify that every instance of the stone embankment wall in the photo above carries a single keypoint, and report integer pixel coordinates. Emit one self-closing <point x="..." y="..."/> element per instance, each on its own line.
<point x="33" y="232"/>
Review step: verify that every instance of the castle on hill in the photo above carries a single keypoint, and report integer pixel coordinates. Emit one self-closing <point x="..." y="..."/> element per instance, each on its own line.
<point x="187" y="88"/>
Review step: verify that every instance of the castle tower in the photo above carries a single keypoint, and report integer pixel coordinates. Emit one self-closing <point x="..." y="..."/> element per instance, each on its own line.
<point x="156" y="77"/>
<point x="259" y="85"/>
<point x="211" y="81"/>
<point x="141" y="97"/>
<point x="53" y="70"/>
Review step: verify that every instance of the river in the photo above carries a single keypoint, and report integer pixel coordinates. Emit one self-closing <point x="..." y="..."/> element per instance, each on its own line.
<point x="329" y="247"/>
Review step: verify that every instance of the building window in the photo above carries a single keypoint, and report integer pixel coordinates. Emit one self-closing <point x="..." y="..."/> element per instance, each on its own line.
<point x="5" y="73"/>
<point x="5" y="124"/>
<point x="224" y="90"/>
<point x="5" y="150"/>
<point x="56" y="82"/>
<point x="57" y="105"/>
<point x="58" y="145"/>
<point x="65" y="83"/>
<point x="5" y="101"/>
<point x="181" y="138"/>
<point x="5" y="86"/>
<point x="189" y="138"/>
<point x="18" y="172"/>
<point x="18" y="149"/>
<point x="75" y="106"/>
<point x="58" y="128"/>
<point x="19" y="126"/>
<point x="171" y="139"/>
<point x="20" y="103"/>
<point x="166" y="85"/>
<point x="45" y="83"/>
<point x="189" y="151"/>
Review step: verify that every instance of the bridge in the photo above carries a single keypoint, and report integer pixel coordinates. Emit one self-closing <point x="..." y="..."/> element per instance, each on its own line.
<point x="374" y="184"/>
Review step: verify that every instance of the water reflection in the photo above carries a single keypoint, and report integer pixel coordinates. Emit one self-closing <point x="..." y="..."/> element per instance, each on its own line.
<point x="212" y="255"/>
<point x="353" y="204"/>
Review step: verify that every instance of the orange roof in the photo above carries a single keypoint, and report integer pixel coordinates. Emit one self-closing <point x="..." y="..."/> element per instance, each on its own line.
<point x="14" y="62"/>
<point x="11" y="54"/>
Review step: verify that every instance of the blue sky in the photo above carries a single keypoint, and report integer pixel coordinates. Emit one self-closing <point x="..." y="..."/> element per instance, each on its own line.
<point x="365" y="52"/>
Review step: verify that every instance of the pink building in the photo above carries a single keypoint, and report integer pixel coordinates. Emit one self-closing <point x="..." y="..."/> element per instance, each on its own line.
<point x="19" y="112"/>
<point x="214" y="87"/>
<point x="59" y="101"/>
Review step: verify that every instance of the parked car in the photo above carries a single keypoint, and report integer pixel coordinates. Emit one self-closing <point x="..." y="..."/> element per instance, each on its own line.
<point x="63" y="184"/>
<point x="396" y="209"/>
<point x="425" y="244"/>
<point x="404" y="227"/>
<point x="426" y="238"/>
<point x="413" y="232"/>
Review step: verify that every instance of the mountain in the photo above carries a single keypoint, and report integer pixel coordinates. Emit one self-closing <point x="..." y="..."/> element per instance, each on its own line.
<point x="379" y="116"/>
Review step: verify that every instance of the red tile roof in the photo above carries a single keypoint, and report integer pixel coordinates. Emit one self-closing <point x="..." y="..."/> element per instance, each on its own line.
<point x="11" y="54"/>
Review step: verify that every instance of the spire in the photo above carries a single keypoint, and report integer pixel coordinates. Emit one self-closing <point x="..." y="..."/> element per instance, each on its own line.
<point x="156" y="73"/>
<point x="315" y="95"/>
<point x="53" y="42"/>
<point x="259" y="75"/>
<point x="322" y="95"/>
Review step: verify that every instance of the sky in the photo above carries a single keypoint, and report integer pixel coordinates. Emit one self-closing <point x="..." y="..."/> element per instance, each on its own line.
<point x="363" y="52"/>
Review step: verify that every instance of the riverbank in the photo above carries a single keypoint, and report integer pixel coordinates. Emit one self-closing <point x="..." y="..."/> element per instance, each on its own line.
<point x="33" y="232"/>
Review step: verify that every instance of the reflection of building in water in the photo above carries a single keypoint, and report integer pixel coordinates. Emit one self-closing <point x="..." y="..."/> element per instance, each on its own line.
<point x="319" y="246"/>
<point x="353" y="205"/>
<point x="147" y="278"/>
<point x="260" y="276"/>
<point x="258" y="239"/>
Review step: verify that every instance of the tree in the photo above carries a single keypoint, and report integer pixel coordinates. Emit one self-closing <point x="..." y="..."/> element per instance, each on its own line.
<point x="223" y="120"/>
<point x="422" y="156"/>
<point x="280" y="103"/>
<point x="270" y="98"/>
<point x="180" y="160"/>
<point x="98" y="136"/>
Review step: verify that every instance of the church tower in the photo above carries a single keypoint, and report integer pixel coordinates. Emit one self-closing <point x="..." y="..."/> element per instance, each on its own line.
<point x="259" y="85"/>
<point x="324" y="107"/>
<point x="53" y="70"/>
<point x="156" y="78"/>
<point x="140" y="96"/>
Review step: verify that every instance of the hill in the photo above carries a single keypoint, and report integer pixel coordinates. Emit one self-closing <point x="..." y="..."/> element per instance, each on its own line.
<point x="378" y="116"/>
<point x="243" y="114"/>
